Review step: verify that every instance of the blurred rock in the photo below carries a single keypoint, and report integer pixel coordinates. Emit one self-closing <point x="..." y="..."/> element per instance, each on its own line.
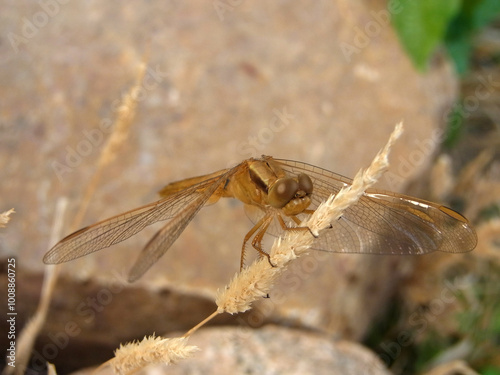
<point x="217" y="85"/>
<point x="270" y="350"/>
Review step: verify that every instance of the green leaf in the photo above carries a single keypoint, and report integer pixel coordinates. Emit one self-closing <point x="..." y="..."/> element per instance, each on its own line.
<point x="459" y="49"/>
<point x="454" y="127"/>
<point x="474" y="15"/>
<point x="487" y="213"/>
<point x="422" y="25"/>
<point x="482" y="12"/>
<point x="490" y="370"/>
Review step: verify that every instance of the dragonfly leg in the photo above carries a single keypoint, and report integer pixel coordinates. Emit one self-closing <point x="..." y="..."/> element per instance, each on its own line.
<point x="260" y="228"/>
<point x="257" y="227"/>
<point x="309" y="212"/>
<point x="297" y="221"/>
<point x="257" y="240"/>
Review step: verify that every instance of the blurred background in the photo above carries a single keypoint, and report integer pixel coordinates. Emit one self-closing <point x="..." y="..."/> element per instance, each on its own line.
<point x="322" y="82"/>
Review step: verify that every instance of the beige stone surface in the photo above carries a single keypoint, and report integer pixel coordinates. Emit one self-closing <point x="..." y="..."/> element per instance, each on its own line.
<point x="269" y="350"/>
<point x="276" y="350"/>
<point x="215" y="93"/>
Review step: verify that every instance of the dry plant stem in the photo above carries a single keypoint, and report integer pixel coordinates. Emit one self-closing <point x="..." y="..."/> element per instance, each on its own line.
<point x="200" y="324"/>
<point x="51" y="369"/>
<point x="30" y="331"/>
<point x="108" y="154"/>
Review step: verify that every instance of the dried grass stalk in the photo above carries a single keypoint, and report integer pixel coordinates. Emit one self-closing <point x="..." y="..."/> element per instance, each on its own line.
<point x="30" y="330"/>
<point x="51" y="369"/>
<point x="124" y="119"/>
<point x="108" y="154"/>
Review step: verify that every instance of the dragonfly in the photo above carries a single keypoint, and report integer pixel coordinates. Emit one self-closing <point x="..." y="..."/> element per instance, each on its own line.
<point x="278" y="195"/>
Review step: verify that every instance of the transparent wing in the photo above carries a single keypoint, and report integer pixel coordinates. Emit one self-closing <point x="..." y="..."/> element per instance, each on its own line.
<point x="165" y="237"/>
<point x="381" y="222"/>
<point x="120" y="227"/>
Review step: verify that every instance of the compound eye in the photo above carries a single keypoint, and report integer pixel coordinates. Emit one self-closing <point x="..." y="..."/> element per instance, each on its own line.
<point x="305" y="183"/>
<point x="282" y="192"/>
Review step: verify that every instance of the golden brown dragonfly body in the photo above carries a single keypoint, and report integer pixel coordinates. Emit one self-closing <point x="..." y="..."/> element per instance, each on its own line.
<point x="278" y="195"/>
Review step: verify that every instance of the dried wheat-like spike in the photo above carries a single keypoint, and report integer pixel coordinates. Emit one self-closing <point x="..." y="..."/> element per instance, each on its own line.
<point x="151" y="350"/>
<point x="251" y="283"/>
<point x="5" y="217"/>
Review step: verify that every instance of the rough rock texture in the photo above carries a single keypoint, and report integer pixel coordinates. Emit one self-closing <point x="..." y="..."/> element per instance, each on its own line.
<point x="275" y="350"/>
<point x="270" y="350"/>
<point x="259" y="78"/>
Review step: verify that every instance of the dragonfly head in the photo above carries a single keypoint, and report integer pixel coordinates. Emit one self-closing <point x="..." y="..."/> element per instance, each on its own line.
<point x="291" y="194"/>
